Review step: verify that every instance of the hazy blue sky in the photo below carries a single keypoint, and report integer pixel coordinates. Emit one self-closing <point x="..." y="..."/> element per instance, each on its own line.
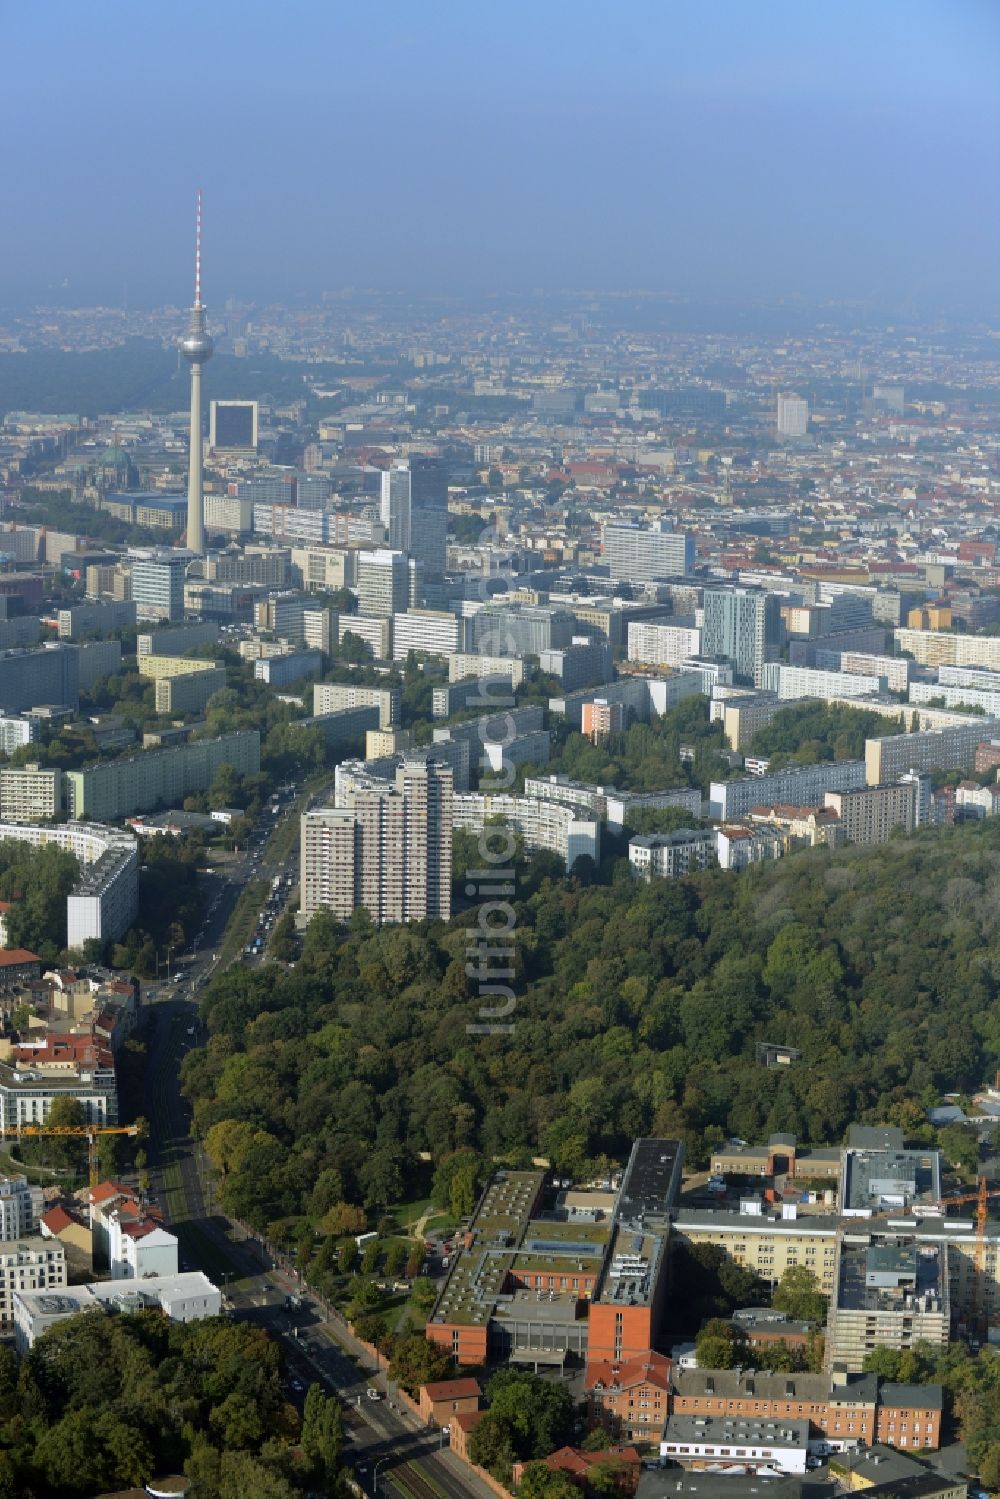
<point x="734" y="148"/>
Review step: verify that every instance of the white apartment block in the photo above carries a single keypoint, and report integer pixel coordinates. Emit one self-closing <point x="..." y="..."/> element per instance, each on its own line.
<point x="464" y="664"/>
<point x="647" y="552"/>
<point x="14" y="732"/>
<point x="897" y="670"/>
<point x="870" y="813"/>
<point x="738" y="847"/>
<point x="663" y="644"/>
<point x="969" y="676"/>
<point x="32" y="1264"/>
<point x="987" y="698"/>
<point x="435" y="632"/>
<point x="793" y="416"/>
<point x="227" y="512"/>
<point x="383" y="582"/>
<point x="330" y="697"/>
<point x="605" y="803"/>
<point x="790" y="682"/>
<point x="668" y="855"/>
<point x="385" y="847"/>
<point x="374" y="632"/>
<point x="30" y="794"/>
<point x="952" y="748"/>
<point x="801" y="786"/>
<point x="320" y="629"/>
<point x="21" y="1206"/>
<point x="542" y="824"/>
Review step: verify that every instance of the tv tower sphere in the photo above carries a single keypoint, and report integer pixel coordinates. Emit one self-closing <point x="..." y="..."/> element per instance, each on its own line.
<point x="196" y="345"/>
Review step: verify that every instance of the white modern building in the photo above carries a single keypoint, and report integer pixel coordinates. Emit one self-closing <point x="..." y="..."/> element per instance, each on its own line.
<point x="14" y="732"/>
<point x="21" y="1207"/>
<point x="433" y="632"/>
<point x="667" y="855"/>
<point x="138" y="1250"/>
<point x="652" y="644"/>
<point x="542" y="824"/>
<point x="803" y="786"/>
<point x="29" y="1265"/>
<point x="331" y="697"/>
<point x="790" y="682"/>
<point x="781" y="1445"/>
<point x="187" y="1297"/>
<point x="647" y="552"/>
<point x="739" y="846"/>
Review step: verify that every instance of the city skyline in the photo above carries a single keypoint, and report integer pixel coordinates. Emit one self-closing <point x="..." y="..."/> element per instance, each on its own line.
<point x="779" y="153"/>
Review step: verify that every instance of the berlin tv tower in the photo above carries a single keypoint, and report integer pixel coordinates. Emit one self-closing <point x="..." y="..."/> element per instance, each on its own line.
<point x="197" y="347"/>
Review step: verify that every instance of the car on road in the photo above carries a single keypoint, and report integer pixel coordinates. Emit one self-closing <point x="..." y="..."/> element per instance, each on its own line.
<point x="372" y="1393"/>
<point x="297" y="1386"/>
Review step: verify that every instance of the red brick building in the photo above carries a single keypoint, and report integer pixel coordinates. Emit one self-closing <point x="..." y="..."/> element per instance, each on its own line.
<point x="631" y="1397"/>
<point x="841" y="1408"/>
<point x="447" y="1398"/>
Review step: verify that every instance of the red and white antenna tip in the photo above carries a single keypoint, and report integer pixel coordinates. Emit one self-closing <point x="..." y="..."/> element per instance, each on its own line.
<point x="197" y="253"/>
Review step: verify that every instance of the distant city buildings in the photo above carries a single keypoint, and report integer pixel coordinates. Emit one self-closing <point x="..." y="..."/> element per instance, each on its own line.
<point x="793" y="416"/>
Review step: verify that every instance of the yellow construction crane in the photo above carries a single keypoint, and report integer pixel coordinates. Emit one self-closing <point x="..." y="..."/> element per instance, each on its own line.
<point x="90" y="1132"/>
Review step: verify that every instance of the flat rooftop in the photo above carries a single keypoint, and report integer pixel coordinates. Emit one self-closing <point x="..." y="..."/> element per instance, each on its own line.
<point x="887" y="1278"/>
<point x="737" y="1431"/>
<point x="478" y="1273"/>
<point x="563" y="1307"/>
<point x="887" y="1178"/>
<point x="649" y="1187"/>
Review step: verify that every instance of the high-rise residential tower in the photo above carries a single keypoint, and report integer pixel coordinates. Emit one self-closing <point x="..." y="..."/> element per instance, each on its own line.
<point x="744" y="625"/>
<point x="395" y="507"/>
<point x="385" y="847"/>
<point x="429" y="514"/>
<point x="197" y="348"/>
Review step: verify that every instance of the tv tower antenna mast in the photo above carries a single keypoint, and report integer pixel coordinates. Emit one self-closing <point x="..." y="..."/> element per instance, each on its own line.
<point x="197" y="348"/>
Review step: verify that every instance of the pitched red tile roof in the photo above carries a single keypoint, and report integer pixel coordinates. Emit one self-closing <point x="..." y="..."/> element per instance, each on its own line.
<point x="57" y="1219"/>
<point x="452" y="1389"/>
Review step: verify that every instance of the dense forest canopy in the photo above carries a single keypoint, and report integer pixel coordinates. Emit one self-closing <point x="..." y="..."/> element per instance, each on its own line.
<point x="639" y="1011"/>
<point x="806" y="732"/>
<point x="36" y="882"/>
<point x="102" y="1402"/>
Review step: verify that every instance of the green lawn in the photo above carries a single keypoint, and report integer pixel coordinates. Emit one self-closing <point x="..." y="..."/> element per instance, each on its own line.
<point x="42" y="1175"/>
<point x="407" y="1213"/>
<point x="442" y="1223"/>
